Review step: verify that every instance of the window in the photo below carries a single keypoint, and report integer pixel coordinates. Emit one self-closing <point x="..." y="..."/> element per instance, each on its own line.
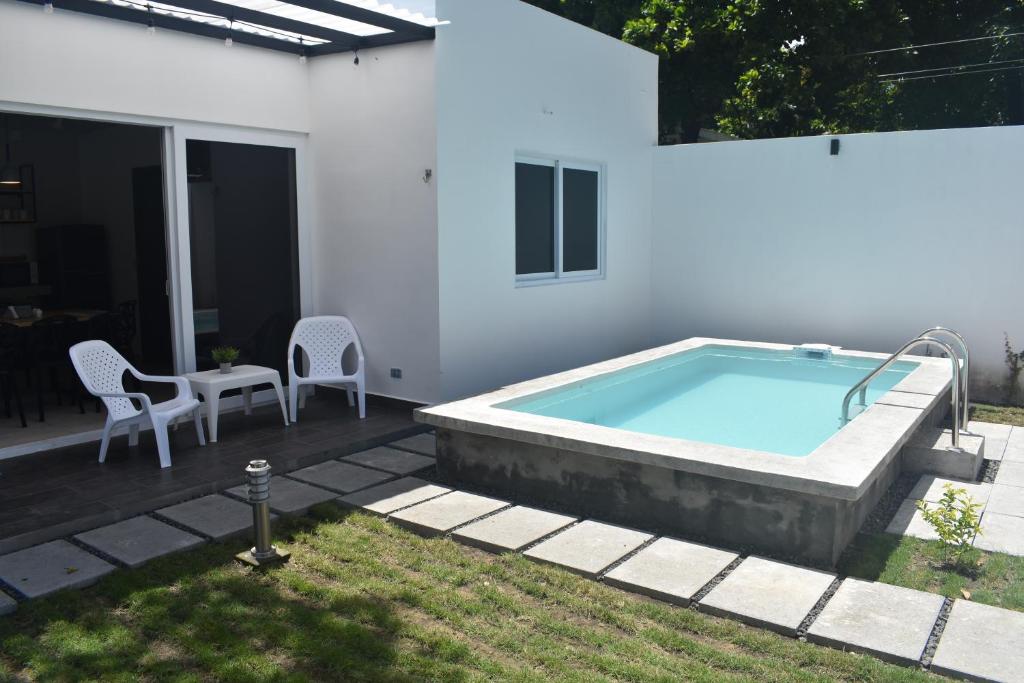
<point x="559" y="220"/>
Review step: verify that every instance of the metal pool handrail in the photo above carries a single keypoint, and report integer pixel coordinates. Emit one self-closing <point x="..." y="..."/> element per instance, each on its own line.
<point x="965" y="376"/>
<point x="862" y="385"/>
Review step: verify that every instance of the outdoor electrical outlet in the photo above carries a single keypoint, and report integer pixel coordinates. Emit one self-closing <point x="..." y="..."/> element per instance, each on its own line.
<point x="396" y="373"/>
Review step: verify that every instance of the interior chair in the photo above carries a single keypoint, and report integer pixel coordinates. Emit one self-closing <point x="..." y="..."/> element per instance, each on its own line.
<point x="323" y="341"/>
<point x="12" y="359"/>
<point x="50" y="340"/>
<point x="101" y="369"/>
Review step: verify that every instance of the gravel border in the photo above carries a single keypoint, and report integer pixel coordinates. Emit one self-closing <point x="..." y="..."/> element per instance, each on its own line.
<point x="936" y="634"/>
<point x="881" y="516"/>
<point x="989" y="470"/>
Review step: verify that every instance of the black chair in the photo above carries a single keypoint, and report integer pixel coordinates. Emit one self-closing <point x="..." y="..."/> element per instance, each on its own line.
<point x="123" y="329"/>
<point x="50" y="340"/>
<point x="12" y="359"/>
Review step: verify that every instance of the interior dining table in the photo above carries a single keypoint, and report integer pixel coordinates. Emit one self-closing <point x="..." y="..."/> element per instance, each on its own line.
<point x="82" y="315"/>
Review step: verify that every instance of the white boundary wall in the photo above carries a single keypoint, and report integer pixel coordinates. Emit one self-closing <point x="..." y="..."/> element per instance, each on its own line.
<point x="776" y="240"/>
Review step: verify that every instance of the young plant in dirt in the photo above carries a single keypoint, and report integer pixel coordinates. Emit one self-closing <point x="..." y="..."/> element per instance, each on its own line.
<point x="1015" y="364"/>
<point x="956" y="520"/>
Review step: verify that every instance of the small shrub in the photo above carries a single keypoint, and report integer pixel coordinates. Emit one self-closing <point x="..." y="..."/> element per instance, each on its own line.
<point x="225" y="354"/>
<point x="956" y="521"/>
<point x="1015" y="364"/>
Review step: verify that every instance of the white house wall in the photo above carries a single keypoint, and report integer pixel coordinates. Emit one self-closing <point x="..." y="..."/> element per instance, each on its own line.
<point x="513" y="79"/>
<point x="776" y="240"/>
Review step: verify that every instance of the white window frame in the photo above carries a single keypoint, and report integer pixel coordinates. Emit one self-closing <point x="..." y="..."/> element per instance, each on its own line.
<point x="559" y="275"/>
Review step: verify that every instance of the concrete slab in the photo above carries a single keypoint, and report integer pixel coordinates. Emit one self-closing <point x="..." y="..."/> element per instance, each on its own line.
<point x="394" y="495"/>
<point x="996" y="436"/>
<point x="138" y="540"/>
<point x="391" y="460"/>
<point x="931" y="488"/>
<point x="441" y="515"/>
<point x="1015" y="445"/>
<point x="928" y="452"/>
<point x="981" y="643"/>
<point x="1001" y="534"/>
<point x="512" y="529"/>
<point x="425" y="444"/>
<point x="889" y="622"/>
<point x="589" y="547"/>
<point x="289" y="497"/>
<point x="1006" y="500"/>
<point x="7" y="604"/>
<point x="670" y="570"/>
<point x="50" y="567"/>
<point x="216" y="516"/>
<point x="909" y="522"/>
<point x="1011" y="472"/>
<point x="770" y="594"/>
<point x="341" y="476"/>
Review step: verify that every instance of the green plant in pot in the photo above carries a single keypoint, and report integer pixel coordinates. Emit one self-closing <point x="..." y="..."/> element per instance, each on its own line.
<point x="225" y="356"/>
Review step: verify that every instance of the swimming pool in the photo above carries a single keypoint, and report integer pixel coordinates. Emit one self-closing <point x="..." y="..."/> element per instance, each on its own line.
<point x="764" y="399"/>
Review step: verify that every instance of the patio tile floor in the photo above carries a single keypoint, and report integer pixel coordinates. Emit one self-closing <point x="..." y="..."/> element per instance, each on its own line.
<point x="670" y="570"/>
<point x="441" y="515"/>
<point x="391" y="460"/>
<point x="512" y="529"/>
<point x="425" y="444"/>
<point x="138" y="540"/>
<point x="216" y="516"/>
<point x="589" y="547"/>
<point x="340" y="476"/>
<point x="394" y="495"/>
<point x="287" y="496"/>
<point x="48" y="568"/>
<point x="981" y="643"/>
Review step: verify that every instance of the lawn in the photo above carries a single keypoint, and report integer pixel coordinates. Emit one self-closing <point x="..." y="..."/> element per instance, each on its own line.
<point x="364" y="600"/>
<point x="1009" y="415"/>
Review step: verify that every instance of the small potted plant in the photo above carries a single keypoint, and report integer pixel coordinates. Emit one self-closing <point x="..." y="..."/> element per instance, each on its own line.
<point x="225" y="355"/>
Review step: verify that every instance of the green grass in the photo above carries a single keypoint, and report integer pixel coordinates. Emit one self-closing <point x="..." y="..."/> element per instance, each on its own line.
<point x="1010" y="415"/>
<point x="913" y="563"/>
<point x="364" y="600"/>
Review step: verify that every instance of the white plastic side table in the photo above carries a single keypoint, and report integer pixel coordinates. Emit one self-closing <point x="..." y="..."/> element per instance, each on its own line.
<point x="212" y="383"/>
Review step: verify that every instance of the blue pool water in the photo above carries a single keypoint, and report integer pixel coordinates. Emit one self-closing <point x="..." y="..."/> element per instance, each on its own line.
<point x="766" y="400"/>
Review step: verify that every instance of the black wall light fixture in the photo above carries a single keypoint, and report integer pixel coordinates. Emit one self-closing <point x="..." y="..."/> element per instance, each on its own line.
<point x="833" y="147"/>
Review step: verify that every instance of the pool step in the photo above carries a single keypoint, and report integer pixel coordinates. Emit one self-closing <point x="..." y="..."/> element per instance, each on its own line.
<point x="928" y="452"/>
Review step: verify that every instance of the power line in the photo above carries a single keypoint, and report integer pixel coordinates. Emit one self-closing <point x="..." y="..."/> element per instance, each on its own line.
<point x="945" y="42"/>
<point x="958" y="73"/>
<point x="950" y="68"/>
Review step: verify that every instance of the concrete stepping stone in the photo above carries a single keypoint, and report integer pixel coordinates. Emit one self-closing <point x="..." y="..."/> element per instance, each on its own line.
<point x="1011" y="472"/>
<point x="341" y="476"/>
<point x="1001" y="534"/>
<point x="770" y="594"/>
<point x="7" y="604"/>
<point x="981" y="643"/>
<point x="216" y="516"/>
<point x="425" y="444"/>
<point x="996" y="437"/>
<point x="138" y="540"/>
<point x="289" y="497"/>
<point x="589" y="547"/>
<point x="394" y="495"/>
<point x="930" y="488"/>
<point x="50" y="567"/>
<point x="670" y="570"/>
<point x="441" y="515"/>
<point x="908" y="521"/>
<point x="1014" y="446"/>
<point x="391" y="460"/>
<point x="1006" y="500"/>
<point x="512" y="529"/>
<point x="890" y="622"/>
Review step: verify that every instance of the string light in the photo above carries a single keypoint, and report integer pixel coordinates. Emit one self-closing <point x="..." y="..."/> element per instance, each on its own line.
<point x="151" y="27"/>
<point x="356" y="60"/>
<point x="229" y="41"/>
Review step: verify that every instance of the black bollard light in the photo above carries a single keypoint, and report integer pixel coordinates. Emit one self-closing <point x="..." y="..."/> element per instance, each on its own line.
<point x="264" y="552"/>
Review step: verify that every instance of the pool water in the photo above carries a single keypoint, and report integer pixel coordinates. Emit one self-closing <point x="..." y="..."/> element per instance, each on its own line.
<point x="776" y="401"/>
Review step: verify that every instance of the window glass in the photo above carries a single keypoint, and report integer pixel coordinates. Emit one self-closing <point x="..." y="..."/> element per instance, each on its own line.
<point x="535" y="219"/>
<point x="579" y="220"/>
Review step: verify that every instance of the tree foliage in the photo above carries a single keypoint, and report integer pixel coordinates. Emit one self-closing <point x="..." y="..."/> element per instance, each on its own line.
<point x="770" y="68"/>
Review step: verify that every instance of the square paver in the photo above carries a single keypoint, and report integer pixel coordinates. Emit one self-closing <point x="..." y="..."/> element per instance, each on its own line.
<point x="981" y="642"/>
<point x="1015" y="445"/>
<point x="512" y="529"/>
<point x="216" y="516"/>
<point x="890" y="622"/>
<point x="1006" y="500"/>
<point x="670" y="570"/>
<point x="394" y="495"/>
<point x="50" y="567"/>
<point x="289" y="497"/>
<point x="931" y="488"/>
<point x="909" y="522"/>
<point x="441" y="515"/>
<point x="138" y="540"/>
<point x="589" y="547"/>
<point x="391" y="460"/>
<point x="341" y="476"/>
<point x="769" y="594"/>
<point x="1001" y="534"/>
<point x="7" y="604"/>
<point x="425" y="444"/>
<point x="1011" y="472"/>
<point x="996" y="437"/>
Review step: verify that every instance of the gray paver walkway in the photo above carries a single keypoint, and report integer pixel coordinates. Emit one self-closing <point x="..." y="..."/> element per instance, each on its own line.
<point x="50" y="567"/>
<point x="420" y="443"/>
<point x="670" y="570"/>
<point x="138" y="540"/>
<point x="342" y="477"/>
<point x="441" y="515"/>
<point x="1001" y="533"/>
<point x="216" y="516"/>
<point x="1011" y="472"/>
<point x="981" y="643"/>
<point x="1006" y="500"/>
<point x="393" y="495"/>
<point x="996" y="436"/>
<point x="289" y="497"/>
<point x="589" y="547"/>
<point x="931" y="488"/>
<point x="1015" y="445"/>
<point x="766" y="593"/>
<point x="908" y="522"/>
<point x="391" y="460"/>
<point x="890" y="622"/>
<point x="512" y="529"/>
<point x="7" y="604"/>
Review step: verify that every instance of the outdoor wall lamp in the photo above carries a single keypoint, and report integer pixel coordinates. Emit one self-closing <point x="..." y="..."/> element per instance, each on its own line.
<point x="833" y="148"/>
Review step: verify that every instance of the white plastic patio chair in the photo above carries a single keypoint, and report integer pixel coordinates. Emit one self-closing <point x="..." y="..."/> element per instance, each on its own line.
<point x="324" y="339"/>
<point x="101" y="369"/>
